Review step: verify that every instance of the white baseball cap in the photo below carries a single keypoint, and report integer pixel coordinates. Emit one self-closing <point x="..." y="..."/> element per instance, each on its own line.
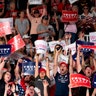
<point x="25" y="36"/>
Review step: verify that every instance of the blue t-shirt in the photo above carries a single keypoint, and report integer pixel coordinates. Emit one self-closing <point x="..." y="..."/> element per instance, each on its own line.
<point x="62" y="82"/>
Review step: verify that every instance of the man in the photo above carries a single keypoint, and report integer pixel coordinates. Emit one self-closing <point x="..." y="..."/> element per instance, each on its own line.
<point x="62" y="77"/>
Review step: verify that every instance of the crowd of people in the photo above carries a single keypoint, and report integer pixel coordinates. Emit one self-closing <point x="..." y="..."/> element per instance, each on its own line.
<point x="53" y="77"/>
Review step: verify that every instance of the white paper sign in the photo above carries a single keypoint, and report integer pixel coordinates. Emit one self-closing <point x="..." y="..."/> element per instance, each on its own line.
<point x="52" y="45"/>
<point x="41" y="46"/>
<point x="92" y="37"/>
<point x="63" y="58"/>
<point x="10" y="20"/>
<point x="72" y="47"/>
<point x="35" y="2"/>
<point x="72" y="1"/>
<point x="62" y="43"/>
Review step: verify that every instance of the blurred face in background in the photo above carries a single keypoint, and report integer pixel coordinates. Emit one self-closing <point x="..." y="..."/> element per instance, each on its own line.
<point x="86" y="9"/>
<point x="12" y="6"/>
<point x="75" y="8"/>
<point x="22" y="14"/>
<point x="7" y="76"/>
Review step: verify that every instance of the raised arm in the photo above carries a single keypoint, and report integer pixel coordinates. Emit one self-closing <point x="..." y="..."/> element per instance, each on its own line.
<point x="78" y="60"/>
<point x="17" y="70"/>
<point x="47" y="68"/>
<point x="2" y="63"/>
<point x="36" y="67"/>
<point x="94" y="92"/>
<point x="55" y="69"/>
<point x="83" y="62"/>
<point x="70" y="63"/>
<point x="57" y="24"/>
<point x="45" y="84"/>
<point x="94" y="63"/>
<point x="44" y="11"/>
<point x="28" y="13"/>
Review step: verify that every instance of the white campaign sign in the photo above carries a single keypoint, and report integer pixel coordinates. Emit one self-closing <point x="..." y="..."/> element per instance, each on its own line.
<point x="10" y="20"/>
<point x="92" y="36"/>
<point x="72" y="1"/>
<point x="41" y="46"/>
<point x="72" y="47"/>
<point x="63" y="58"/>
<point x="35" y="2"/>
<point x="62" y="43"/>
<point x="52" y="45"/>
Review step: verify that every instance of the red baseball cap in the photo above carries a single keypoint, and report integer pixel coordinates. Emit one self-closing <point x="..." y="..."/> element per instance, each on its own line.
<point x="42" y="70"/>
<point x="63" y="63"/>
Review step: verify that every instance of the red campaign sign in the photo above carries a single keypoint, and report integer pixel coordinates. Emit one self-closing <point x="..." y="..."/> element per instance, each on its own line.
<point x="16" y="43"/>
<point x="69" y="16"/>
<point x="5" y="28"/>
<point x="88" y="47"/>
<point x="78" y="80"/>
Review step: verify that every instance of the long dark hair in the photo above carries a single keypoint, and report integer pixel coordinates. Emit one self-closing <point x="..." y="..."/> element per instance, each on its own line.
<point x="4" y="76"/>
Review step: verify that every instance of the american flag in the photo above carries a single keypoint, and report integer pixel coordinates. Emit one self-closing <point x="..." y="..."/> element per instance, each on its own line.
<point x="20" y="87"/>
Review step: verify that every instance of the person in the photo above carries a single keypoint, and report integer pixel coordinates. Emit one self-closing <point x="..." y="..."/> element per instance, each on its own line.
<point x="93" y="11"/>
<point x="55" y="23"/>
<point x="81" y="34"/>
<point x="87" y="71"/>
<point x="31" y="90"/>
<point x="35" y="21"/>
<point x="62" y="77"/>
<point x="22" y="24"/>
<point x="86" y="21"/>
<point x="6" y="78"/>
<point x="12" y="11"/>
<point x="45" y="29"/>
<point x="41" y="75"/>
<point x="29" y="46"/>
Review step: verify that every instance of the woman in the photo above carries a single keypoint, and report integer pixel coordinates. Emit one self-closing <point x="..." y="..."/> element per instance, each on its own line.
<point x="22" y="24"/>
<point x="86" y="20"/>
<point x="44" y="29"/>
<point x="41" y="75"/>
<point x="5" y="80"/>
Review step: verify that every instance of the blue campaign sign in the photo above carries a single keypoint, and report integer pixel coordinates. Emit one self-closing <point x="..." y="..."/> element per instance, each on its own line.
<point x="28" y="68"/>
<point x="5" y="50"/>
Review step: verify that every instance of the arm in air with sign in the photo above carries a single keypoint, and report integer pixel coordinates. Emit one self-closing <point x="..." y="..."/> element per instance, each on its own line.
<point x="36" y="67"/>
<point x="17" y="69"/>
<point x="57" y="51"/>
<point x="71" y="63"/>
<point x="79" y="67"/>
<point x="28" y="13"/>
<point x="42" y="69"/>
<point x="40" y="76"/>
